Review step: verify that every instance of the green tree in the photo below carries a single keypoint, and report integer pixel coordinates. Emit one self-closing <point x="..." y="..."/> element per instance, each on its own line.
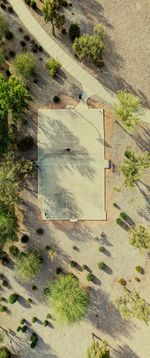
<point x="53" y="65"/>
<point x="131" y="305"/>
<point x="3" y="26"/>
<point x="13" y="173"/>
<point x="28" y="265"/>
<point x="5" y="353"/>
<point x="133" y="167"/>
<point x="139" y="237"/>
<point x="98" y="350"/>
<point x="69" y="300"/>
<point x="51" y="11"/>
<point x="90" y="47"/>
<point x="25" y="64"/>
<point x="127" y="110"/>
<point x="8" y="226"/>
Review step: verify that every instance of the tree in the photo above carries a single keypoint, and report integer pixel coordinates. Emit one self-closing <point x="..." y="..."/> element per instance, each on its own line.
<point x="3" y="26"/>
<point x="74" y="31"/>
<point x="25" y="64"/>
<point x="28" y="265"/>
<point x="5" y="353"/>
<point x="13" y="173"/>
<point x="53" y="65"/>
<point x="90" y="47"/>
<point x="131" y="305"/>
<point x="51" y="11"/>
<point x="139" y="237"/>
<point x="127" y="110"/>
<point x="68" y="298"/>
<point x="97" y="350"/>
<point x="8" y="226"/>
<point x="133" y="166"/>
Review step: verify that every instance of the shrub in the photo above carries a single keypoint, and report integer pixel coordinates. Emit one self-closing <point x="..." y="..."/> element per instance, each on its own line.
<point x="64" y="3"/>
<point x="59" y="271"/>
<point x="56" y="99"/>
<point x="90" y="277"/>
<point x="10" y="9"/>
<point x="20" y="29"/>
<point x="63" y="31"/>
<point x="8" y="74"/>
<point x="74" y="31"/>
<point x="53" y="65"/>
<point x="28" y="265"/>
<point x="24" y="329"/>
<point x="13" y="250"/>
<point x="28" y="2"/>
<point x="12" y="53"/>
<point x="45" y="323"/>
<point x="33" y="344"/>
<point x="18" y="329"/>
<point x="5" y="353"/>
<point x="47" y="247"/>
<point x="25" y="64"/>
<point x="48" y="316"/>
<point x="101" y="265"/>
<point x="3" y="308"/>
<point x="137" y="279"/>
<point x="119" y="221"/>
<point x="9" y="35"/>
<point x="12" y="298"/>
<point x="101" y="248"/>
<point x="24" y="238"/>
<point x="23" y="43"/>
<point x="85" y="267"/>
<point x="73" y="264"/>
<point x="98" y="350"/>
<point x="40" y="231"/>
<point x="29" y="300"/>
<point x="122" y="282"/>
<point x="40" y="48"/>
<point x="69" y="300"/>
<point x="34" y="287"/>
<point x="22" y="321"/>
<point x="27" y="37"/>
<point x="3" y="6"/>
<point x="34" y="339"/>
<point x="34" y="319"/>
<point x="33" y="5"/>
<point x="25" y="143"/>
<point x="123" y="215"/>
<point x="140" y="269"/>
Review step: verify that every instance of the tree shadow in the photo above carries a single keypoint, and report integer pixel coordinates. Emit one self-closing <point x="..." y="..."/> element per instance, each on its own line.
<point x="104" y="315"/>
<point x="125" y="352"/>
<point x="144" y="212"/>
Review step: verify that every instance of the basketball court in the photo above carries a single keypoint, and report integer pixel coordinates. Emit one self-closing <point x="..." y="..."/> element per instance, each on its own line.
<point x="71" y="164"/>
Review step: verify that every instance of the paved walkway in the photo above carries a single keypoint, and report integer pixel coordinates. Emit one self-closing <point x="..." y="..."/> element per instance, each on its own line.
<point x="89" y="84"/>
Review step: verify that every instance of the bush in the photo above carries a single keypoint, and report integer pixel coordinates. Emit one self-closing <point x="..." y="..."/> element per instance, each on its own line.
<point x="12" y="298"/>
<point x="56" y="99"/>
<point x="123" y="215"/>
<point x="20" y="29"/>
<point x="24" y="238"/>
<point x="85" y="267"/>
<point x="25" y="143"/>
<point x="140" y="269"/>
<point x="34" y="339"/>
<point x="74" y="31"/>
<point x="28" y="2"/>
<point x="45" y="323"/>
<point x="3" y="6"/>
<point x="27" y="37"/>
<point x="22" y="321"/>
<point x="40" y="231"/>
<point x="69" y="300"/>
<point x="12" y="53"/>
<point x="90" y="277"/>
<point x="63" y="31"/>
<point x="73" y="264"/>
<point x="8" y="74"/>
<point x="59" y="271"/>
<point x="48" y="316"/>
<point x="24" y="329"/>
<point x="101" y="265"/>
<point x="34" y="287"/>
<point x="28" y="265"/>
<point x="25" y="64"/>
<point x="101" y="248"/>
<point x="137" y="279"/>
<point x="53" y="65"/>
<point x="18" y="329"/>
<point x="23" y="43"/>
<point x="9" y="35"/>
<point x="34" y="319"/>
<point x="13" y="250"/>
<point x="10" y="9"/>
<point x="33" y="5"/>
<point x="5" y="353"/>
<point x="3" y="308"/>
<point x="64" y="3"/>
<point x="119" y="221"/>
<point x="122" y="282"/>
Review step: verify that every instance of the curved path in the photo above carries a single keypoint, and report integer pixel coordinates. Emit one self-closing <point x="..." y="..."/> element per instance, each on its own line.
<point x="90" y="85"/>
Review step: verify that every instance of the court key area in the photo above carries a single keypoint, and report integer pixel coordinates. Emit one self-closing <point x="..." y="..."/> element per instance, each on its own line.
<point x="71" y="164"/>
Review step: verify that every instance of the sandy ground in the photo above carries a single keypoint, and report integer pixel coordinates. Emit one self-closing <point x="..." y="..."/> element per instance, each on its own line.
<point x="127" y="339"/>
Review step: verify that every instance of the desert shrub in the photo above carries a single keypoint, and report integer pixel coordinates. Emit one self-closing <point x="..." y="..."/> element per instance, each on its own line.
<point x="27" y="37"/>
<point x="23" y="43"/>
<point x="13" y="250"/>
<point x="46" y="291"/>
<point x="64" y="3"/>
<point x="119" y="221"/>
<point x="85" y="267"/>
<point x="98" y="350"/>
<point x="28" y="265"/>
<point x="3" y="308"/>
<point x="1" y="276"/>
<point x="34" y="319"/>
<point x="12" y="53"/>
<point x="12" y="298"/>
<point x="28" y="2"/>
<point x="127" y="110"/>
<point x="24" y="329"/>
<point x="74" y="31"/>
<point x="9" y="35"/>
<point x="101" y="248"/>
<point x="137" y="279"/>
<point x="139" y="237"/>
<point x="25" y="64"/>
<point x="90" y="277"/>
<point x="59" y="271"/>
<point x="3" y="6"/>
<point x="25" y="143"/>
<point x="45" y="323"/>
<point x="122" y="282"/>
<point x="53" y="65"/>
<point x="40" y="48"/>
<point x="73" y="264"/>
<point x="10" y="9"/>
<point x="47" y="247"/>
<point x="56" y="99"/>
<point x="20" y="29"/>
<point x="140" y="269"/>
<point x="101" y="265"/>
<point x="22" y="321"/>
<point x="29" y="300"/>
<point x="69" y="300"/>
<point x="24" y="238"/>
<point x="63" y="31"/>
<point x="48" y="316"/>
<point x="40" y="231"/>
<point x="34" y="339"/>
<point x="5" y="353"/>
<point x="18" y="329"/>
<point x="34" y="287"/>
<point x="33" y="4"/>
<point x="123" y="215"/>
